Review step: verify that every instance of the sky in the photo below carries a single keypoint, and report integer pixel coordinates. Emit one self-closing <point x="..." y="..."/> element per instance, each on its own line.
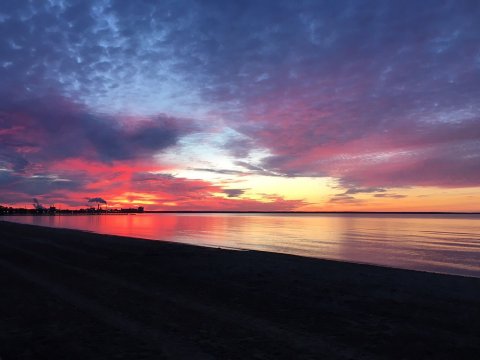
<point x="241" y="105"/>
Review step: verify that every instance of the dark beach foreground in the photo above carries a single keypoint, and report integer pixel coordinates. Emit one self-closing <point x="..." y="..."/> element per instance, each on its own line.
<point x="69" y="294"/>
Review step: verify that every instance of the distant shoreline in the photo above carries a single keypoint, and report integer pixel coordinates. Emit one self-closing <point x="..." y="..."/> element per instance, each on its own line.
<point x="310" y="212"/>
<point x="78" y="213"/>
<point x="67" y="214"/>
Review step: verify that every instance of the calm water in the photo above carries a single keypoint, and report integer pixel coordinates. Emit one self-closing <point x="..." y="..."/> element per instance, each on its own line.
<point x="439" y="243"/>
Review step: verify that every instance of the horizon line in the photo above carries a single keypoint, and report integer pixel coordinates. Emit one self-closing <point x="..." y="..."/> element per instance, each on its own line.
<point x="312" y="212"/>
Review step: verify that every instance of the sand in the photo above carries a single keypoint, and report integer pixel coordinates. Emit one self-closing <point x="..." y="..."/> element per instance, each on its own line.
<point x="69" y="294"/>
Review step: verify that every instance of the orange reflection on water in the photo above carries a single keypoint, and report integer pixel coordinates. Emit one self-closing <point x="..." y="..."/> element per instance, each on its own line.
<point x="440" y="243"/>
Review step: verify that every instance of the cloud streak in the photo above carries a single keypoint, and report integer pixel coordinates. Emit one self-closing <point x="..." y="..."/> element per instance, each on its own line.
<point x="53" y="128"/>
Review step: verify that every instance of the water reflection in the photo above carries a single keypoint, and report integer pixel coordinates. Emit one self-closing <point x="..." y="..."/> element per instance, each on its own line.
<point x="441" y="243"/>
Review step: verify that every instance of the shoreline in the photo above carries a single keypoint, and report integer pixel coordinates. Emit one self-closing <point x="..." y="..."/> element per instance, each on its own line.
<point x="229" y="248"/>
<point x="79" y="294"/>
<point x="448" y="269"/>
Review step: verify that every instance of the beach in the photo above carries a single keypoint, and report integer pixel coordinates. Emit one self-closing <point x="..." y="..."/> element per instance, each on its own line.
<point x="78" y="295"/>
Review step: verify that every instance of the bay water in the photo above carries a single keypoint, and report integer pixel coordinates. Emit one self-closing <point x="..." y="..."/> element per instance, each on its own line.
<point x="427" y="242"/>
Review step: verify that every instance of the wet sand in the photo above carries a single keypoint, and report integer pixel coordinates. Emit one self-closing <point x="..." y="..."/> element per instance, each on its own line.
<point x="76" y="295"/>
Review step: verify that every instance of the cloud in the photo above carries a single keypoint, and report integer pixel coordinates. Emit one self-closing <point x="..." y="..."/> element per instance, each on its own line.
<point x="348" y="197"/>
<point x="252" y="170"/>
<point x="50" y="143"/>
<point x="352" y="191"/>
<point x="354" y="94"/>
<point x="37" y="183"/>
<point x="131" y="186"/>
<point x="232" y="193"/>
<point x="345" y="199"/>
<point x="96" y="200"/>
<point x="249" y="166"/>
<point x="391" y="196"/>
<point x="376" y="95"/>
<point x="54" y="128"/>
<point x="220" y="171"/>
<point x="195" y="194"/>
<point x="257" y="170"/>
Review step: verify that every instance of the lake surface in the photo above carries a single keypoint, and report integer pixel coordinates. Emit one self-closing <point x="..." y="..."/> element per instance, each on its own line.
<point x="438" y="243"/>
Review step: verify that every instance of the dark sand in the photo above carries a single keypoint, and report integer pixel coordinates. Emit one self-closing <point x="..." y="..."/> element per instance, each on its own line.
<point x="74" y="295"/>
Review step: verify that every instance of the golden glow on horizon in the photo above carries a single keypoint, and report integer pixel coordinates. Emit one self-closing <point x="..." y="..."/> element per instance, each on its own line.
<point x="416" y="199"/>
<point x="133" y="199"/>
<point x="318" y="194"/>
<point x="314" y="190"/>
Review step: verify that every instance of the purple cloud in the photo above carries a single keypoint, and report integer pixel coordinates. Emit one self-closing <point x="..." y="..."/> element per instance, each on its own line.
<point x="232" y="193"/>
<point x="53" y="128"/>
